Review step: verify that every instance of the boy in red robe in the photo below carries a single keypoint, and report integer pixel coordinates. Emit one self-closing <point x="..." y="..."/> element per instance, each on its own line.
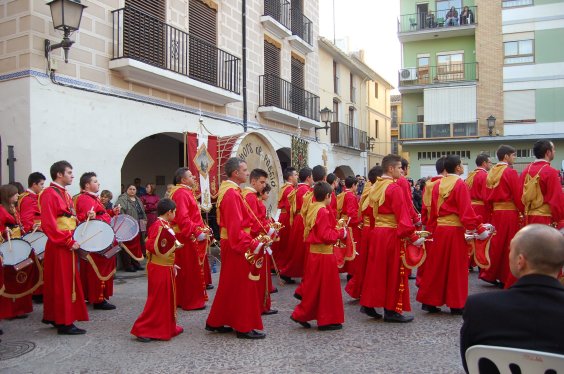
<point x="321" y="292"/>
<point x="189" y="226"/>
<point x="158" y="319"/>
<point x="476" y="182"/>
<point x="333" y="181"/>
<point x="97" y="271"/>
<point x="63" y="299"/>
<point x="280" y="248"/>
<point x="348" y="209"/>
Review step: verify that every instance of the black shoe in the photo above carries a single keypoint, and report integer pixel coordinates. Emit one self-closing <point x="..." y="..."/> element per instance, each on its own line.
<point x="349" y="276"/>
<point x="200" y="308"/>
<point x="391" y="316"/>
<point x="47" y="322"/>
<point x="287" y="280"/>
<point x="490" y="282"/>
<point x="220" y="329"/>
<point x="1" y="332"/>
<point x="104" y="305"/>
<point x="70" y="330"/>
<point x="297" y="296"/>
<point x="430" y="308"/>
<point x="253" y="334"/>
<point x="335" y="326"/>
<point x="471" y="269"/>
<point x="305" y="325"/>
<point x="456" y="311"/>
<point x="500" y="285"/>
<point x="139" y="267"/>
<point x="411" y="276"/>
<point x="38" y="299"/>
<point x="143" y="339"/>
<point x="269" y="312"/>
<point x="21" y="316"/>
<point x="209" y="287"/>
<point x="274" y="290"/>
<point x="370" y="312"/>
<point x="130" y="269"/>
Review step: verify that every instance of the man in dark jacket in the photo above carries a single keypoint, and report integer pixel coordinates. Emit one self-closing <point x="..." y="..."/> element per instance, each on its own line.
<point x="528" y="315"/>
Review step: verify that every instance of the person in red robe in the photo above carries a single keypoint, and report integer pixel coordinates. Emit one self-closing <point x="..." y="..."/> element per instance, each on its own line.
<point x="348" y="209"/>
<point x="333" y="180"/>
<point x="63" y="299"/>
<point x="158" y="320"/>
<point x="503" y="197"/>
<point x="542" y="192"/>
<point x="235" y="305"/>
<point x="274" y="228"/>
<point x="321" y="293"/>
<point x="354" y="285"/>
<point x="30" y="215"/>
<point x="189" y="226"/>
<point x="260" y="225"/>
<point x="446" y="269"/>
<point x="97" y="271"/>
<point x="281" y="248"/>
<point x="296" y="246"/>
<point x="385" y="281"/>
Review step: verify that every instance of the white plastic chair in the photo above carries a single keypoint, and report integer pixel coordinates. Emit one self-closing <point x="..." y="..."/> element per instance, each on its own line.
<point x="505" y="358"/>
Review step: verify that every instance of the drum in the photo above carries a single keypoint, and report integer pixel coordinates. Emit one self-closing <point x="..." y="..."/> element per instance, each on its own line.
<point x="16" y="253"/>
<point x="38" y="241"/>
<point x="94" y="236"/>
<point x="125" y="227"/>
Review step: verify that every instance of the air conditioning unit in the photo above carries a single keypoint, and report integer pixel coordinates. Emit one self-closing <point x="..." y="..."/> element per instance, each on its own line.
<point x="408" y="74"/>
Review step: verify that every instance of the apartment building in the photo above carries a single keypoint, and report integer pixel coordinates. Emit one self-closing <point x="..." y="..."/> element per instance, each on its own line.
<point x="141" y="74"/>
<point x="472" y="79"/>
<point x="396" y="114"/>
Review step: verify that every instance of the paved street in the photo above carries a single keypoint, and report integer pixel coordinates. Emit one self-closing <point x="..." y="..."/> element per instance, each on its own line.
<point x="429" y="344"/>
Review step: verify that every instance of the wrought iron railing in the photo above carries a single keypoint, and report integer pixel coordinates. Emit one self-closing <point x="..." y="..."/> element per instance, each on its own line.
<point x="277" y="92"/>
<point x="347" y="136"/>
<point x="424" y="21"/>
<point x="141" y="37"/>
<point x="302" y="26"/>
<point x="279" y="10"/>
<point x="420" y="130"/>
<point x="445" y="73"/>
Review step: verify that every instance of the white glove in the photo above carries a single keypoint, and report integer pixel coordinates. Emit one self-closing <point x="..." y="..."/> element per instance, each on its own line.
<point x="201" y="237"/>
<point x="483" y="236"/>
<point x="419" y="242"/>
<point x="345" y="232"/>
<point x="271" y="231"/>
<point x="257" y="249"/>
<point x="268" y="250"/>
<point x="469" y="235"/>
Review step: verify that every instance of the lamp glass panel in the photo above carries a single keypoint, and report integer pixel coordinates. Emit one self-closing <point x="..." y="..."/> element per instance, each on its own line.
<point x="57" y="13"/>
<point x="72" y="14"/>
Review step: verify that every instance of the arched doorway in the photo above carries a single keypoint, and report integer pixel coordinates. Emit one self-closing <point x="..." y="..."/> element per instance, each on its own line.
<point x="344" y="171"/>
<point x="285" y="157"/>
<point x="154" y="159"/>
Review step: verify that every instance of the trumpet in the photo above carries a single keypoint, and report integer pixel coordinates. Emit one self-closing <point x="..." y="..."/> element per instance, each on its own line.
<point x="341" y="224"/>
<point x="251" y="257"/>
<point x="276" y="226"/>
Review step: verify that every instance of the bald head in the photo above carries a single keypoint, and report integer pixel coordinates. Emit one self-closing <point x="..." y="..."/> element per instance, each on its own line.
<point x="537" y="249"/>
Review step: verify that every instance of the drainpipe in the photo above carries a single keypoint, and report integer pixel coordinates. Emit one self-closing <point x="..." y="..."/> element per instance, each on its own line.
<point x="244" y="58"/>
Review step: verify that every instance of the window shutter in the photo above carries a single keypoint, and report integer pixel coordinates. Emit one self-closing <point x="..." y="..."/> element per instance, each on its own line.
<point x="144" y="31"/>
<point x="298" y="93"/>
<point x="203" y="53"/>
<point x="271" y="59"/>
<point x="272" y="84"/>
<point x="203" y="21"/>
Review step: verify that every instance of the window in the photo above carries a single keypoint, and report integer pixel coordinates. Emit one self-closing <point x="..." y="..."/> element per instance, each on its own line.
<point x="423" y="69"/>
<point x="376" y="89"/>
<point x="436" y="155"/>
<point x="519" y="51"/>
<point x="394" y="117"/>
<point x="450" y="67"/>
<point x="519" y="106"/>
<point x="444" y="5"/>
<point x="335" y="77"/>
<point x="514" y="3"/>
<point x="335" y="110"/>
<point x="524" y="153"/>
<point x="376" y="125"/>
<point x="351" y="116"/>
<point x="395" y="146"/>
<point x="352" y="89"/>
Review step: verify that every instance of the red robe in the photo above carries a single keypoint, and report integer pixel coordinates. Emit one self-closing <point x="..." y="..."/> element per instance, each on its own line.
<point x="280" y="249"/>
<point x="446" y="269"/>
<point x="350" y="210"/>
<point x="406" y="188"/>
<point x="385" y="279"/>
<point x="97" y="276"/>
<point x="235" y="303"/>
<point x="63" y="300"/>
<point x="551" y="189"/>
<point x="191" y="291"/>
<point x="297" y="247"/>
<point x="333" y="206"/>
<point x="506" y="223"/>
<point x="476" y="183"/>
<point x="158" y="319"/>
<point x="321" y="289"/>
<point x="30" y="215"/>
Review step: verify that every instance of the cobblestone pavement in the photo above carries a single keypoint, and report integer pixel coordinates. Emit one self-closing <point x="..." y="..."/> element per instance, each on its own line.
<point x="429" y="344"/>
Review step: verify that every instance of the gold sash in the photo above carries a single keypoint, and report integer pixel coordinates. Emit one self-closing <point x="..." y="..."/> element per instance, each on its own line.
<point x="66" y="223"/>
<point x="311" y="217"/>
<point x="322" y="249"/>
<point x="504" y="205"/>
<point x="450" y="220"/>
<point x="176" y="229"/>
<point x="544" y="210"/>
<point x="366" y="221"/>
<point x="223" y="232"/>
<point x="162" y="261"/>
<point x="477" y="202"/>
<point x="385" y="220"/>
<point x="494" y="176"/>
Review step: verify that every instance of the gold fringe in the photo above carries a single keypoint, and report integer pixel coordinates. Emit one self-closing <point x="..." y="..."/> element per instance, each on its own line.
<point x="97" y="271"/>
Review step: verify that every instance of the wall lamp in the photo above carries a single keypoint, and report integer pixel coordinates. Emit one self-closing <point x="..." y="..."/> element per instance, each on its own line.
<point x="324" y="115"/>
<point x="491" y="124"/>
<point x="66" y="15"/>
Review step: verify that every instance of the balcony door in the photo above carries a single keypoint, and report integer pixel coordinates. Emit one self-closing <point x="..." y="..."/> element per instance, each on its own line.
<point x="298" y="84"/>
<point x="202" y="51"/>
<point x="144" y="31"/>
<point x="444" y="5"/>
<point x="297" y="19"/>
<point x="450" y="67"/>
<point x="272" y="82"/>
<point x="422" y="10"/>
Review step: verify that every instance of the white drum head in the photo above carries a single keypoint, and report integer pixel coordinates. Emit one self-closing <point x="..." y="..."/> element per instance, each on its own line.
<point x="94" y="236"/>
<point x="125" y="227"/>
<point x="15" y="251"/>
<point x="37" y="240"/>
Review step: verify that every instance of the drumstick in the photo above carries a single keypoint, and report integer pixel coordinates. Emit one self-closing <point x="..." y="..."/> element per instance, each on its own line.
<point x="87" y="219"/>
<point x="93" y="235"/>
<point x="34" y="230"/>
<point x="8" y="232"/>
<point x="121" y="223"/>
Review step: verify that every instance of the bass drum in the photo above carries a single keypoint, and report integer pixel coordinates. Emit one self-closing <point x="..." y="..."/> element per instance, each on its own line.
<point x="38" y="241"/>
<point x="125" y="227"/>
<point x="94" y="236"/>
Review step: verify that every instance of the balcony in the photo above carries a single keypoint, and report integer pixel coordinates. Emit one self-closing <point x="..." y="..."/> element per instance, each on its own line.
<point x="346" y="136"/>
<point x="415" y="79"/>
<point x="284" y="102"/>
<point x="302" y="31"/>
<point x="276" y="18"/>
<point x="422" y="131"/>
<point x="433" y="25"/>
<point x="155" y="54"/>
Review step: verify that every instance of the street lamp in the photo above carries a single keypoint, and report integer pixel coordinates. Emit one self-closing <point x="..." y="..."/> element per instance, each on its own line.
<point x="325" y="115"/>
<point x="371" y="141"/>
<point x="66" y="15"/>
<point x="491" y="124"/>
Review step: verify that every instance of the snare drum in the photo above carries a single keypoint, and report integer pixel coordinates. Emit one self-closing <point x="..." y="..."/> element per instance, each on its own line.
<point x="38" y="241"/>
<point x="16" y="253"/>
<point x="125" y="227"/>
<point x="94" y="236"/>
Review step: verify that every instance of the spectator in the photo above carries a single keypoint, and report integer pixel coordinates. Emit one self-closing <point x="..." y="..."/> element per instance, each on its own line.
<point x="150" y="201"/>
<point x="106" y="199"/>
<point x="140" y="189"/>
<point x="503" y="318"/>
<point x="452" y="17"/>
<point x="19" y="186"/>
<point x="431" y="22"/>
<point x="466" y="16"/>
<point x="360" y="185"/>
<point x="417" y="197"/>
